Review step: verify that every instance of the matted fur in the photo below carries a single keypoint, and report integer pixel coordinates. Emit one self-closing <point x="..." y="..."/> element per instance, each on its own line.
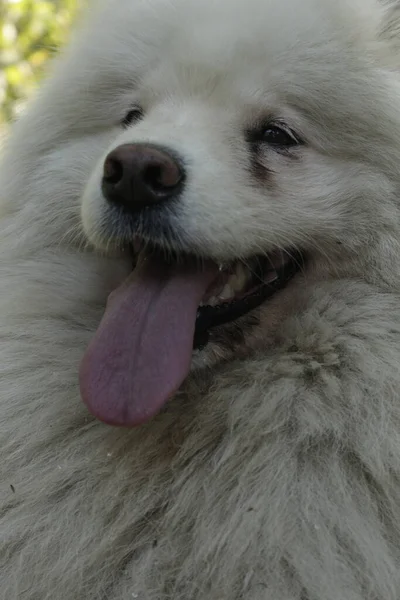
<point x="275" y="473"/>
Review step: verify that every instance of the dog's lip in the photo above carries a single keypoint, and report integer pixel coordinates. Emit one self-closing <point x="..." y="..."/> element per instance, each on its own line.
<point x="209" y="317"/>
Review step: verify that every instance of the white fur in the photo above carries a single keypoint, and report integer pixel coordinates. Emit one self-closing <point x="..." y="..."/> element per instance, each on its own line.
<point x="275" y="473"/>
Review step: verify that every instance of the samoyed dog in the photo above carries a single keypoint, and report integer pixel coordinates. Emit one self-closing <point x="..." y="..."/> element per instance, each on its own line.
<point x="200" y="308"/>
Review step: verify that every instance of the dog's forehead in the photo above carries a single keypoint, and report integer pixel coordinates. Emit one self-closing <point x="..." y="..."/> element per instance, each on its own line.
<point x="240" y="18"/>
<point x="213" y="30"/>
<point x="223" y="37"/>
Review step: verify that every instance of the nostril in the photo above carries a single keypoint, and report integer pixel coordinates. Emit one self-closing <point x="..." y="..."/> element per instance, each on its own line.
<point x="152" y="177"/>
<point x="162" y="177"/>
<point x="113" y="170"/>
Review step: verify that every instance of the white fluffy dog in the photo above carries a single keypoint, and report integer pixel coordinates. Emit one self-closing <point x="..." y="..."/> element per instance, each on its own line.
<point x="230" y="171"/>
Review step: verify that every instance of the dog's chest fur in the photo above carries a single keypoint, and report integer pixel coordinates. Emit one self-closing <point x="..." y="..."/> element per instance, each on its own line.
<point x="244" y="487"/>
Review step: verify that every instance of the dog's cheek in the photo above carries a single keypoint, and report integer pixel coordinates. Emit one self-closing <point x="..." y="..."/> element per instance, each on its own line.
<point x="260" y="168"/>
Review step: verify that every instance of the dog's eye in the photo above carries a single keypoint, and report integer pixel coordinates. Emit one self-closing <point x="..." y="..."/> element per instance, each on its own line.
<point x="277" y="136"/>
<point x="134" y="115"/>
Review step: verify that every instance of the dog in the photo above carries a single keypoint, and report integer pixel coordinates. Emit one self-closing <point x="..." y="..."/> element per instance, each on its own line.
<point x="200" y="307"/>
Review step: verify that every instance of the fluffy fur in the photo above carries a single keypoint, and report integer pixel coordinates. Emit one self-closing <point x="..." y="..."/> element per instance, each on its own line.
<point x="275" y="472"/>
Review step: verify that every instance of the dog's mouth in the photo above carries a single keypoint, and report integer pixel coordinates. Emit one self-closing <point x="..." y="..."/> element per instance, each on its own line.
<point x="142" y="350"/>
<point x="242" y="286"/>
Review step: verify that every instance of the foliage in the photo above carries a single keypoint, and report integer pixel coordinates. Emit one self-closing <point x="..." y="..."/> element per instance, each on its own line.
<point x="30" y="32"/>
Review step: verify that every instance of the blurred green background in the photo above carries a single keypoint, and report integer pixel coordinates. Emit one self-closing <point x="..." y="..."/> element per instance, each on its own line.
<point x="30" y="33"/>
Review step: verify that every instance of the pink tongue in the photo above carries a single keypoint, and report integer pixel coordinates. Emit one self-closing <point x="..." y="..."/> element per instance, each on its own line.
<point x="142" y="350"/>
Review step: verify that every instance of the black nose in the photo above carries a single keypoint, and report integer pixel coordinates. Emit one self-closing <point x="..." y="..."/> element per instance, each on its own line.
<point x="140" y="175"/>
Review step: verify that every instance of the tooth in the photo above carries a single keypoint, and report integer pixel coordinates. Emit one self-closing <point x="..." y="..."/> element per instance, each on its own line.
<point x="227" y="292"/>
<point x="213" y="301"/>
<point x="239" y="279"/>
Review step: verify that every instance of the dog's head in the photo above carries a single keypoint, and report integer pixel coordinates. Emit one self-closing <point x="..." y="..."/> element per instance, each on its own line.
<point x="234" y="148"/>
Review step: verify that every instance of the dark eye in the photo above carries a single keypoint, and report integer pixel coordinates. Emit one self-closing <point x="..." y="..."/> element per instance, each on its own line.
<point x="132" y="116"/>
<point x="280" y="137"/>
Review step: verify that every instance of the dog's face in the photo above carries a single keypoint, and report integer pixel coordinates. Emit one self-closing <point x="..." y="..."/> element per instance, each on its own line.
<point x="263" y="108"/>
<point x="230" y="145"/>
